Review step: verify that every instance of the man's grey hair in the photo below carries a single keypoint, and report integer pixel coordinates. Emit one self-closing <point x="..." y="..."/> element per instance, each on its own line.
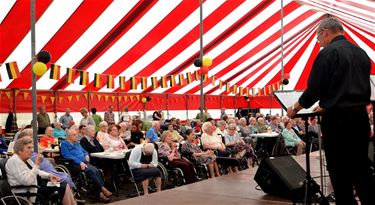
<point x="155" y="123"/>
<point x="21" y="143"/>
<point x="149" y="149"/>
<point x="221" y="123"/>
<point x="26" y="132"/>
<point x="331" y="24"/>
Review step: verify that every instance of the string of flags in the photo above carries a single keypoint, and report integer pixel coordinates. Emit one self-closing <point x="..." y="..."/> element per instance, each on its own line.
<point x="183" y="79"/>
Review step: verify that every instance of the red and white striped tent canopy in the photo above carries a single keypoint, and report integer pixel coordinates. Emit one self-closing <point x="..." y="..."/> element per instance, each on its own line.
<point x="151" y="38"/>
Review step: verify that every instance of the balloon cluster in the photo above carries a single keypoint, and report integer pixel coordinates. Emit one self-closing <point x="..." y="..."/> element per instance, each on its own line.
<point x="207" y="62"/>
<point x="146" y="99"/>
<point x="40" y="67"/>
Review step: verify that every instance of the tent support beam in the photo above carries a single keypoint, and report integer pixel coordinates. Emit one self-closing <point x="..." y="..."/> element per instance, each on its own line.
<point x="34" y="94"/>
<point x="201" y="56"/>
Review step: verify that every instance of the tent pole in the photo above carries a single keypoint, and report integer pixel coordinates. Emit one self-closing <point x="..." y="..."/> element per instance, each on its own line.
<point x="187" y="108"/>
<point x="34" y="121"/>
<point x="201" y="55"/>
<point x="282" y="46"/>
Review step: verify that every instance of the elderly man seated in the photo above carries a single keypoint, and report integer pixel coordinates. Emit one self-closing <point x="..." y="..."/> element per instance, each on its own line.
<point x="71" y="149"/>
<point x="143" y="162"/>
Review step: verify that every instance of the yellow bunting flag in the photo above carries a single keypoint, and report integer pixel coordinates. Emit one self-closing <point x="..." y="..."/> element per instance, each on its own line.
<point x="110" y="82"/>
<point x="163" y="82"/>
<point x="138" y="97"/>
<point x="91" y="96"/>
<point x="70" y="98"/>
<point x="273" y="87"/>
<point x="99" y="96"/>
<point x="154" y="82"/>
<point x="133" y="83"/>
<point x="86" y="96"/>
<point x="269" y="90"/>
<point x="52" y="99"/>
<point x="69" y="75"/>
<point x="16" y="92"/>
<point x="253" y="91"/>
<point x="125" y="98"/>
<point x="227" y="89"/>
<point x="143" y="83"/>
<point x="181" y="79"/>
<point x="25" y="94"/>
<point x="213" y="80"/>
<point x="188" y="77"/>
<point x="122" y="82"/>
<point x="84" y="77"/>
<point x="119" y="98"/>
<point x="106" y="98"/>
<point x="131" y="98"/>
<point x="247" y="92"/>
<point x="12" y="69"/>
<point x="265" y="91"/>
<point x="97" y="80"/>
<point x="43" y="98"/>
<point x="259" y="90"/>
<point x="8" y="94"/>
<point x="241" y="91"/>
<point x="113" y="98"/>
<point x="205" y="77"/>
<point x="77" y="97"/>
<point x="278" y="85"/>
<point x="197" y="75"/>
<point x="220" y="84"/>
<point x="60" y="99"/>
<point x="235" y="89"/>
<point x="54" y="72"/>
<point x="172" y="81"/>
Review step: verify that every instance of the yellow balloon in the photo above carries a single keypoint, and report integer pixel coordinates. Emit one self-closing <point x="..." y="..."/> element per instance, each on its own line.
<point x="207" y="62"/>
<point x="39" y="68"/>
<point x="144" y="100"/>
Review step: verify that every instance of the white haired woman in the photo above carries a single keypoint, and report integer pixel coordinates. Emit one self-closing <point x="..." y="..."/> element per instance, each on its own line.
<point x="103" y="132"/>
<point x="211" y="140"/>
<point x="21" y="170"/>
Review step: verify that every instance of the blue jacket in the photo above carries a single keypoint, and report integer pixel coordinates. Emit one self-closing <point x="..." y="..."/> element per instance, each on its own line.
<point x="73" y="151"/>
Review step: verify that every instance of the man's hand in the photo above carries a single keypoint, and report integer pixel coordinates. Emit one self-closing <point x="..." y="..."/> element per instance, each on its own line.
<point x="39" y="159"/>
<point x="318" y="109"/>
<point x="144" y="166"/>
<point x="83" y="166"/>
<point x="54" y="179"/>
<point x="292" y="110"/>
<point x="87" y="158"/>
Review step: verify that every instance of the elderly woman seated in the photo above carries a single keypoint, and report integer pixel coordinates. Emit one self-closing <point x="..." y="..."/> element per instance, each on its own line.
<point x="143" y="162"/>
<point x="291" y="139"/>
<point x="103" y="131"/>
<point x="237" y="146"/>
<point x="113" y="141"/>
<point x="21" y="170"/>
<point x="47" y="140"/>
<point x="58" y="131"/>
<point x="213" y="141"/>
<point x="70" y="149"/>
<point x="168" y="149"/>
<point x="175" y="135"/>
<point x="208" y="157"/>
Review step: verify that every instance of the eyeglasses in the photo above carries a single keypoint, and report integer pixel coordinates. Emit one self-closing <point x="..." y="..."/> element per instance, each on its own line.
<point x="319" y="33"/>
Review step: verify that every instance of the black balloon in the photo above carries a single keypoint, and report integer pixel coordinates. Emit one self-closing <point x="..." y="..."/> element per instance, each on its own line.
<point x="44" y="57"/>
<point x="148" y="98"/>
<point x="198" y="63"/>
<point x="285" y="82"/>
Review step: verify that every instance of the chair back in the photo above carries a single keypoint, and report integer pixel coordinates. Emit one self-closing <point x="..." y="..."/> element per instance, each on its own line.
<point x="3" y="162"/>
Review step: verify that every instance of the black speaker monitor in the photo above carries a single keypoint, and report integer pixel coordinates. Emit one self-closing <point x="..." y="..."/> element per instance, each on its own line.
<point x="281" y="176"/>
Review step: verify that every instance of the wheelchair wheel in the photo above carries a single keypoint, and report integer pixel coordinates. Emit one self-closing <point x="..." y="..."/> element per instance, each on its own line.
<point x="17" y="200"/>
<point x="164" y="175"/>
<point x="62" y="168"/>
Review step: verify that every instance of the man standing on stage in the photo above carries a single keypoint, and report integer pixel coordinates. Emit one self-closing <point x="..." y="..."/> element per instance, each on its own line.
<point x="340" y="80"/>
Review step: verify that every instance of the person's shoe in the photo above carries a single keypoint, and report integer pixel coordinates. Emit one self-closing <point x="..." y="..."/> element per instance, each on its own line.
<point x="80" y="201"/>
<point x="103" y="198"/>
<point x="107" y="193"/>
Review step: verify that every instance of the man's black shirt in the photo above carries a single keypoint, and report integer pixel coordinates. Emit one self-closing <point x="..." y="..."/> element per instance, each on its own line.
<point x="339" y="77"/>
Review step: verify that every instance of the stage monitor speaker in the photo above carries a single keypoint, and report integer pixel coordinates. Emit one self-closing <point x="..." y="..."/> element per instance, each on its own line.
<point x="281" y="176"/>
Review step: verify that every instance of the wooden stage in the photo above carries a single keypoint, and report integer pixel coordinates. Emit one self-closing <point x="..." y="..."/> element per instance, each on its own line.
<point x="237" y="188"/>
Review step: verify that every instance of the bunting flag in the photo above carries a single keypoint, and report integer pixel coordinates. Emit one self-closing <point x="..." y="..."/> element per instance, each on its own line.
<point x="8" y="94"/>
<point x="197" y="75"/>
<point x="25" y="94"/>
<point x="264" y="91"/>
<point x="205" y="77"/>
<point x="99" y="96"/>
<point x="213" y="80"/>
<point x="143" y="83"/>
<point x="269" y="89"/>
<point x="16" y="92"/>
<point x="119" y="98"/>
<point x="133" y="83"/>
<point x="241" y="91"/>
<point x="113" y="98"/>
<point x="172" y="81"/>
<point x="278" y="85"/>
<point x="181" y="79"/>
<point x="97" y="80"/>
<point x="60" y="99"/>
<point x="43" y="97"/>
<point x="234" y="89"/>
<point x="110" y="82"/>
<point x="138" y="97"/>
<point x="273" y="87"/>
<point x="259" y="90"/>
<point x="12" y="69"/>
<point x="154" y="82"/>
<point x="125" y="98"/>
<point x="70" y="98"/>
<point x="131" y="98"/>
<point x="91" y="96"/>
<point x="84" y="77"/>
<point x="220" y="84"/>
<point x="52" y="99"/>
<point x="54" y="72"/>
<point x="188" y="77"/>
<point x="121" y="82"/>
<point x="163" y="82"/>
<point x="227" y="89"/>
<point x="253" y="92"/>
<point x="247" y="92"/>
<point x="77" y="98"/>
<point x="106" y="98"/>
<point x="86" y="96"/>
<point x="69" y="75"/>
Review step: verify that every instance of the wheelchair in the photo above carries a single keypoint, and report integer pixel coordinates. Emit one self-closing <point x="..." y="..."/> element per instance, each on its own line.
<point x="9" y="195"/>
<point x="175" y="176"/>
<point x="201" y="170"/>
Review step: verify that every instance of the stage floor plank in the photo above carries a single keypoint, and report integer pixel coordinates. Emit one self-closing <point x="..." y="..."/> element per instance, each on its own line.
<point x="237" y="188"/>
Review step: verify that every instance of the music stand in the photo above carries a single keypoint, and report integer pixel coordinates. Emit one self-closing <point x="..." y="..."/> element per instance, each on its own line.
<point x="287" y="99"/>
